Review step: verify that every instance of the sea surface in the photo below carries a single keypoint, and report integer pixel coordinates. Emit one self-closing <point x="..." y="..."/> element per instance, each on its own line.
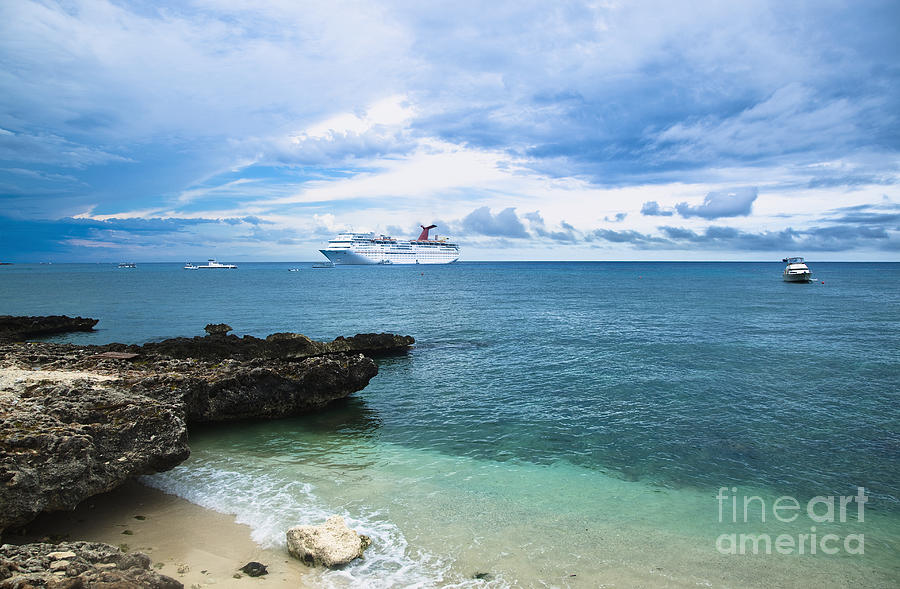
<point x="556" y="424"/>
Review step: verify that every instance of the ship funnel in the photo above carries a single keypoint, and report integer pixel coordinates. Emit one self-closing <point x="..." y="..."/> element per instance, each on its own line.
<point x="424" y="235"/>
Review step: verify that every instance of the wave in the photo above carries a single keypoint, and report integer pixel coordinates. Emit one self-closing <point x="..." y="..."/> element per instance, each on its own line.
<point x="269" y="506"/>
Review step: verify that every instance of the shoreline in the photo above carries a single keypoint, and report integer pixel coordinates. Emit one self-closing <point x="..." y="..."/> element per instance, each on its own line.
<point x="192" y="544"/>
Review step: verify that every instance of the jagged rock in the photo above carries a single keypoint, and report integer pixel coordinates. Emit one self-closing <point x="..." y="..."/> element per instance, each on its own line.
<point x="234" y="390"/>
<point x="15" y="328"/>
<point x="217" y="329"/>
<point x="80" y="420"/>
<point x="278" y="346"/>
<point x="65" y="437"/>
<point x="332" y="544"/>
<point x="91" y="564"/>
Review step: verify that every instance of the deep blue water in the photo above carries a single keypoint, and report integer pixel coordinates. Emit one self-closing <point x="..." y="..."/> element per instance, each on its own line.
<point x="686" y="376"/>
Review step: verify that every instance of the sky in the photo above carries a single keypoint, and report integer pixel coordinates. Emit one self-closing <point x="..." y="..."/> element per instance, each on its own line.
<point x="254" y="130"/>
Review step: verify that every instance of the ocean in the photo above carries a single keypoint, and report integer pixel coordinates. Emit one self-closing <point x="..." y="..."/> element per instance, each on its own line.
<point x="556" y="424"/>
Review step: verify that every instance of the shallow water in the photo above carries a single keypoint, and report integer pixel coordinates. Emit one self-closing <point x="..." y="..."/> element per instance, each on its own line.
<point x="554" y="419"/>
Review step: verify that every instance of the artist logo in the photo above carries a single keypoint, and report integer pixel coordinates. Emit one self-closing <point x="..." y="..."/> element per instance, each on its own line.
<point x="735" y="508"/>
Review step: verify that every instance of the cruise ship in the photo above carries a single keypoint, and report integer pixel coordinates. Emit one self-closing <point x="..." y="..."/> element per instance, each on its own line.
<point x="369" y="248"/>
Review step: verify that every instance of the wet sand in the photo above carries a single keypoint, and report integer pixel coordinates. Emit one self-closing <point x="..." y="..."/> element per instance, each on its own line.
<point x="194" y="545"/>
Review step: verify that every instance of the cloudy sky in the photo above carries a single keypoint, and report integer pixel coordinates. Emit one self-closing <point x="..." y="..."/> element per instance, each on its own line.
<point x="607" y="130"/>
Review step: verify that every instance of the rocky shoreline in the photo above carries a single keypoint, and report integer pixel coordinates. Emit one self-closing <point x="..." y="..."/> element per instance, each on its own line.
<point x="82" y="420"/>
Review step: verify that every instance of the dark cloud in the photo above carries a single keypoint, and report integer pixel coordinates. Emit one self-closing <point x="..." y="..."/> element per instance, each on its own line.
<point x="53" y="150"/>
<point x="734" y="203"/>
<point x="504" y="224"/>
<point x="651" y="208"/>
<point x="706" y="91"/>
<point x="870" y="218"/>
<point x="887" y="214"/>
<point x="831" y="238"/>
<point x="635" y="238"/>
<point x="851" y="181"/>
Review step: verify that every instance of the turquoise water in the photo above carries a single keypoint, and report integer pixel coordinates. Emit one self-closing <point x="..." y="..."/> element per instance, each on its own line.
<point x="554" y="419"/>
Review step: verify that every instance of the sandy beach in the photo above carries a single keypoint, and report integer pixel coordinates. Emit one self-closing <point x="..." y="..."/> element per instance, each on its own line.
<point x="194" y="545"/>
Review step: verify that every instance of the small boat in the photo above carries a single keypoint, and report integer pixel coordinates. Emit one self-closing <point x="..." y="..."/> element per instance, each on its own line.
<point x="127" y="265"/>
<point x="294" y="270"/>
<point x="796" y="270"/>
<point x="211" y="264"/>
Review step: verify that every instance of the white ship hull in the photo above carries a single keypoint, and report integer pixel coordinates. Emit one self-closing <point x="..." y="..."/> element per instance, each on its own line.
<point x="369" y="249"/>
<point x="351" y="258"/>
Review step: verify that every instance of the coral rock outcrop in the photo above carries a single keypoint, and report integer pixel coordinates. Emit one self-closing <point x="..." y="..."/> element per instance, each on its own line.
<point x="331" y="544"/>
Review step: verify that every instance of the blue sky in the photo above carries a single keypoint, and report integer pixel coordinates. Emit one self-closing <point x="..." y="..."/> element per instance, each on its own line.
<point x="254" y="130"/>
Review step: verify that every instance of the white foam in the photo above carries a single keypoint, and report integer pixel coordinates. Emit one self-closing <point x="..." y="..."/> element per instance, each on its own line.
<point x="269" y="506"/>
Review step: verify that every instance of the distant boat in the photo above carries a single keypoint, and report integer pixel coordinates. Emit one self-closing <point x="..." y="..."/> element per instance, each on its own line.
<point x="796" y="270"/>
<point x="5" y="263"/>
<point x="214" y="265"/>
<point x="210" y="264"/>
<point x="294" y="270"/>
<point x="127" y="265"/>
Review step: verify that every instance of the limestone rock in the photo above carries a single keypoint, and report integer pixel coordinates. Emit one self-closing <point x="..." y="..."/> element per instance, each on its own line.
<point x="80" y="420"/>
<point x="332" y="544"/>
<point x="254" y="389"/>
<point x="63" y="441"/>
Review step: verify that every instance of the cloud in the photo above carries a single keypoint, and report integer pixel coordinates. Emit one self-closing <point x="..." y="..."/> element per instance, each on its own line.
<point x="819" y="239"/>
<point x="504" y="224"/>
<point x="386" y="113"/>
<point x="651" y="208"/>
<point x="851" y="181"/>
<point x="566" y="234"/>
<point x="67" y="237"/>
<point x="630" y="237"/>
<point x="734" y="203"/>
<point x="51" y="149"/>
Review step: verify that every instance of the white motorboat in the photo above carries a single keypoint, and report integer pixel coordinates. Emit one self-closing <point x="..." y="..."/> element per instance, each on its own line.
<point x="796" y="270"/>
<point x="211" y="264"/>
<point x="214" y="265"/>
